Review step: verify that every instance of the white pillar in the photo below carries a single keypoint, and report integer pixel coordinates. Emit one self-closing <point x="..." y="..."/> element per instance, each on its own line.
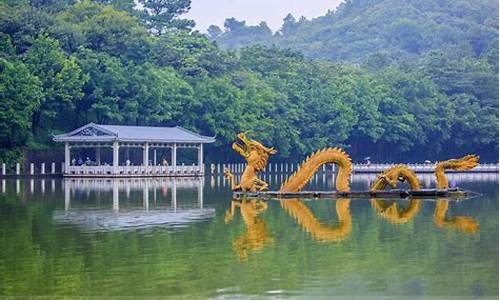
<point x="98" y="155"/>
<point x="4" y="169"/>
<point x="42" y="169"/>
<point x="154" y="157"/>
<point x="32" y="169"/>
<point x="67" y="158"/>
<point x="18" y="168"/>
<point x="116" y="152"/>
<point x="174" y="158"/>
<point x="53" y="168"/>
<point x="200" y="158"/>
<point x="145" y="156"/>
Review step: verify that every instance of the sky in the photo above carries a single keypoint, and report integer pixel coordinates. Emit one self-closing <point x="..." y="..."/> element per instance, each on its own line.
<point x="208" y="12"/>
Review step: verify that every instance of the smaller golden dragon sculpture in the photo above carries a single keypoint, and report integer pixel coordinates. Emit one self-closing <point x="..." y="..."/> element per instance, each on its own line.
<point x="256" y="156"/>
<point x="390" y="211"/>
<point x="462" y="223"/>
<point x="402" y="173"/>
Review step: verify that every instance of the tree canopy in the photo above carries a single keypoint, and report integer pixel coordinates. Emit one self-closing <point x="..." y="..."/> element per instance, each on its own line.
<point x="376" y="90"/>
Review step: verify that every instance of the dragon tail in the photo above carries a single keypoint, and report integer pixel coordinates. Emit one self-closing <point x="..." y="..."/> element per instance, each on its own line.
<point x="311" y="164"/>
<point x="462" y="164"/>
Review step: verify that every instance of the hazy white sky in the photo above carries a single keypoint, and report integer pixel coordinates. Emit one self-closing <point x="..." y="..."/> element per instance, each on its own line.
<point x="208" y="12"/>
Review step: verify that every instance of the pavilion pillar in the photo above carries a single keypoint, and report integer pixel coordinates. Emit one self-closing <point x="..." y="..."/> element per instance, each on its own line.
<point x="154" y="157"/>
<point x="98" y="155"/>
<point x="174" y="158"/>
<point x="67" y="158"/>
<point x="200" y="158"/>
<point x="145" y="154"/>
<point x="116" y="160"/>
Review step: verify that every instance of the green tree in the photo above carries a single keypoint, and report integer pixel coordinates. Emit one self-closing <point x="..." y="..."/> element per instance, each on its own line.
<point x="20" y="96"/>
<point x="104" y="91"/>
<point x="157" y="93"/>
<point x="61" y="79"/>
<point x="102" y="28"/>
<point x="162" y="14"/>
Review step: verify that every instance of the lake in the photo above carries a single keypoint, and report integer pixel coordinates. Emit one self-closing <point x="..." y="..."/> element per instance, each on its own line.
<point x="185" y="237"/>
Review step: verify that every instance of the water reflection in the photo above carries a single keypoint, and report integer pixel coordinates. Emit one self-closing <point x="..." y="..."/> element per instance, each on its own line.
<point x="132" y="215"/>
<point x="394" y="213"/>
<point x="95" y="248"/>
<point x="321" y="232"/>
<point x="461" y="223"/>
<point x="256" y="235"/>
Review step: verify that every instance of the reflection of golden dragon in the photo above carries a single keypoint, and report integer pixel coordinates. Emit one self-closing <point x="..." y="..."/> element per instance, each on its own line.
<point x="402" y="173"/>
<point x="257" y="156"/>
<point x="392" y="212"/>
<point x="461" y="223"/>
<point x="256" y="236"/>
<point x="301" y="212"/>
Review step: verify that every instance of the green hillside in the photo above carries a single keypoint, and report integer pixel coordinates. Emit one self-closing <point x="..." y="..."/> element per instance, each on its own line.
<point x="359" y="29"/>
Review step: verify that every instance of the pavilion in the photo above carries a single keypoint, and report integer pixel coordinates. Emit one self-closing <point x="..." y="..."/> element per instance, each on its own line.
<point x="146" y="138"/>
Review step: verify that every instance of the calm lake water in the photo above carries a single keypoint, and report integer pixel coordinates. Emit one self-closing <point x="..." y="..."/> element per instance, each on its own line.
<point x="186" y="238"/>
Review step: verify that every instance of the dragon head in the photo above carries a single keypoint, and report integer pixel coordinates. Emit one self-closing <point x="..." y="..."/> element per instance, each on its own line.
<point x="252" y="151"/>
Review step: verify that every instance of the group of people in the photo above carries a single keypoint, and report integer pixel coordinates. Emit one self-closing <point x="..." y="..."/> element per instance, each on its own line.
<point x="81" y="162"/>
<point x="89" y="162"/>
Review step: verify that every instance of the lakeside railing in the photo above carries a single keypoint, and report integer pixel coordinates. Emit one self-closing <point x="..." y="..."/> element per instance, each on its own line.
<point x="53" y="169"/>
<point x="103" y="170"/>
<point x="278" y="168"/>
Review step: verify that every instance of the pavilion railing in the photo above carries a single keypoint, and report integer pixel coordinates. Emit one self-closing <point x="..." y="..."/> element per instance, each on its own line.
<point x="135" y="170"/>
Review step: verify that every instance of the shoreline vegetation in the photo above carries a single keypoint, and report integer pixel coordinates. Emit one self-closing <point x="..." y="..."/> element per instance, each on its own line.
<point x="406" y="82"/>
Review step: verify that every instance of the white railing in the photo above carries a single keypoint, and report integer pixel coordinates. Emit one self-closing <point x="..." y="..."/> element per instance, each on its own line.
<point x="285" y="168"/>
<point x="187" y="170"/>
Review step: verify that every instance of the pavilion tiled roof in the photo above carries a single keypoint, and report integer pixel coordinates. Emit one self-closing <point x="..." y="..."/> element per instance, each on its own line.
<point x="105" y="133"/>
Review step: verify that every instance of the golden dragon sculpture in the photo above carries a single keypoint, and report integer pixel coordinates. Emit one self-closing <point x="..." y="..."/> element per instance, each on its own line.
<point x="390" y="211"/>
<point x="257" y="156"/>
<point x="461" y="223"/>
<point x="251" y="150"/>
<point x="400" y="173"/>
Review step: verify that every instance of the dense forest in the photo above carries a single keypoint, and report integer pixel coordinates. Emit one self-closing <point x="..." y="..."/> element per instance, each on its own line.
<point x="395" y="80"/>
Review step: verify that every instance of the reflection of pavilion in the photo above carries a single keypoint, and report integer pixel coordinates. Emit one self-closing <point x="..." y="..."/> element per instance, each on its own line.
<point x="128" y="217"/>
<point x="128" y="185"/>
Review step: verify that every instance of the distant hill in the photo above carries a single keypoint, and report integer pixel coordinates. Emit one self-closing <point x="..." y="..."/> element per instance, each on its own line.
<point x="358" y="29"/>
